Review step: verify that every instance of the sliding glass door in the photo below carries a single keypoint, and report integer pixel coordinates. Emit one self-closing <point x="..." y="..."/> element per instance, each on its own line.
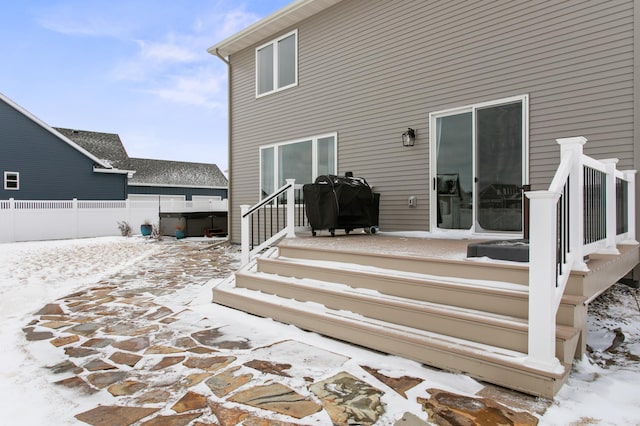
<point x="479" y="166"/>
<point x="454" y="177"/>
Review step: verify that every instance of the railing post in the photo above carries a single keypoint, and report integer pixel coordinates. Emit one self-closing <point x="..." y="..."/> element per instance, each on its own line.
<point x="244" y="234"/>
<point x="610" y="207"/>
<point x="630" y="177"/>
<point x="574" y="146"/>
<point x="542" y="278"/>
<point x="291" y="204"/>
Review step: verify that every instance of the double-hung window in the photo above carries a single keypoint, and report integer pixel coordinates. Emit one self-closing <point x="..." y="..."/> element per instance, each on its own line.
<point x="277" y="64"/>
<point x="302" y="160"/>
<point x="12" y="181"/>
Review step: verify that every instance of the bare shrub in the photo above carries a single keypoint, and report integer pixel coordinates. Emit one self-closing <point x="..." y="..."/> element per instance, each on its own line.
<point x="125" y="228"/>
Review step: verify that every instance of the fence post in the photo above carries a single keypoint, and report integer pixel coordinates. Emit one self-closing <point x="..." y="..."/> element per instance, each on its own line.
<point x="630" y="177"/>
<point x="574" y="146"/>
<point x="76" y="219"/>
<point x="244" y="234"/>
<point x="610" y="206"/>
<point x="291" y="204"/>
<point x="12" y="212"/>
<point x="542" y="278"/>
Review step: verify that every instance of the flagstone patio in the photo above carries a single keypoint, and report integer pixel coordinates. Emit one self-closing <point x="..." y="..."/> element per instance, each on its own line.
<point x="162" y="366"/>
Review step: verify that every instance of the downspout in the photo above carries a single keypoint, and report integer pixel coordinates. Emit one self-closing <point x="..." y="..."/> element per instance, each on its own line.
<point x="636" y="111"/>
<point x="229" y="203"/>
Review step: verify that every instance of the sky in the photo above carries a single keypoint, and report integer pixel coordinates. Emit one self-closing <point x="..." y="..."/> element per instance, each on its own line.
<point x="136" y="68"/>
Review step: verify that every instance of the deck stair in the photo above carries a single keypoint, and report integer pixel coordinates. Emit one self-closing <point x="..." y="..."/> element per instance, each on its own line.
<point x="433" y="310"/>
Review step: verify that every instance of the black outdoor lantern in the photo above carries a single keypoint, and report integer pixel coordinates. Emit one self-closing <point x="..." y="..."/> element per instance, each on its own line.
<point x="409" y="137"/>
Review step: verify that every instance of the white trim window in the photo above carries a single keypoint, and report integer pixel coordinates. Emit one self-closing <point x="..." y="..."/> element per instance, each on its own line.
<point x="11" y="181"/>
<point x="478" y="165"/>
<point x="302" y="159"/>
<point x="277" y="64"/>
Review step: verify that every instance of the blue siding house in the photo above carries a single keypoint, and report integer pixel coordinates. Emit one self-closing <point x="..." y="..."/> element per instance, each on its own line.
<point x="39" y="163"/>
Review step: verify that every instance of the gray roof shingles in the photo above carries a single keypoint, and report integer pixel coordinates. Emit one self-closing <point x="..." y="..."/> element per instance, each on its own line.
<point x="159" y="172"/>
<point x="105" y="146"/>
<point x="109" y="147"/>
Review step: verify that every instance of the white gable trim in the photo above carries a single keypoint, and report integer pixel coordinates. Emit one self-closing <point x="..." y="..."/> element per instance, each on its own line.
<point x="176" y="186"/>
<point x="129" y="173"/>
<point x="268" y="27"/>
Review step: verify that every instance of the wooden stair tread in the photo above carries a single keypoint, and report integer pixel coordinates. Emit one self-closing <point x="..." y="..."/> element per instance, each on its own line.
<point x="508" y="358"/>
<point x="465" y="314"/>
<point x="465" y="284"/>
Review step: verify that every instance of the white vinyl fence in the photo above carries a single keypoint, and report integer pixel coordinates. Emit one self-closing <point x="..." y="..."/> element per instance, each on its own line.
<point x="35" y="220"/>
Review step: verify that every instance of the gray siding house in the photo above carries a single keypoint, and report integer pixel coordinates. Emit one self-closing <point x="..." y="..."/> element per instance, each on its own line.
<point x="39" y="163"/>
<point x="330" y="86"/>
<point x="448" y="109"/>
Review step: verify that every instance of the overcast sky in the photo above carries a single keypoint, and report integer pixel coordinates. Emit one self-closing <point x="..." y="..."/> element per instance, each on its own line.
<point x="138" y="68"/>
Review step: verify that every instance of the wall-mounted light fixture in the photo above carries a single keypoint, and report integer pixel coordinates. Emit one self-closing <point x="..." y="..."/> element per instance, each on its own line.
<point x="409" y="137"/>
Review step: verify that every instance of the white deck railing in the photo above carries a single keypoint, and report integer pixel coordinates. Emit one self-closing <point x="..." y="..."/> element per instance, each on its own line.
<point x="588" y="208"/>
<point x="584" y="211"/>
<point x="277" y="230"/>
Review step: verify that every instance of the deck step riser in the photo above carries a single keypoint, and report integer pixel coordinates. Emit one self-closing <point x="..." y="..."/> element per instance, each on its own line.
<point x="421" y="299"/>
<point x="441" y="267"/>
<point x="482" y="299"/>
<point x="411" y="348"/>
<point x="510" y="335"/>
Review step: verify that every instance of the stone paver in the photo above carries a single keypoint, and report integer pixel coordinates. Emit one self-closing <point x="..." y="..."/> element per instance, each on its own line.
<point x="349" y="400"/>
<point x="114" y="415"/>
<point x="166" y="366"/>
<point x="226" y="382"/>
<point x="278" y="398"/>
<point x="398" y="384"/>
<point x="456" y="409"/>
<point x="190" y="401"/>
<point x="64" y="340"/>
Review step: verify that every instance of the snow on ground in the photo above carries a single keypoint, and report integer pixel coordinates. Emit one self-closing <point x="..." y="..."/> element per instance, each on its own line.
<point x="33" y="274"/>
<point x="602" y="390"/>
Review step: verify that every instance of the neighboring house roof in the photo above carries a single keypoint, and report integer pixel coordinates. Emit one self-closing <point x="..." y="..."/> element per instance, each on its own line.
<point x="148" y="172"/>
<point x="272" y="24"/>
<point x="100" y="164"/>
<point x="176" y="173"/>
<point x="106" y="146"/>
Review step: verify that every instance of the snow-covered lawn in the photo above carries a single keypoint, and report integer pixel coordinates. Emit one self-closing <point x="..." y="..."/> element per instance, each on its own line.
<point x="603" y="389"/>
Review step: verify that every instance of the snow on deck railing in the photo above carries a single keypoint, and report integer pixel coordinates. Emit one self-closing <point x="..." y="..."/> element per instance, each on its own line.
<point x="284" y="229"/>
<point x="588" y="208"/>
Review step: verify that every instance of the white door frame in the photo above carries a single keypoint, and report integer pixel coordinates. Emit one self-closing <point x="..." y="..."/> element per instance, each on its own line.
<point x="433" y="196"/>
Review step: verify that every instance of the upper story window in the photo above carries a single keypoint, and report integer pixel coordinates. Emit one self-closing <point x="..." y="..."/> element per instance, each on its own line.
<point x="277" y="64"/>
<point x="12" y="181"/>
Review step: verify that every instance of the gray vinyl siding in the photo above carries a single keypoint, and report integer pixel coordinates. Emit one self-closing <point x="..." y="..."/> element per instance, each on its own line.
<point x="50" y="169"/>
<point x="370" y="69"/>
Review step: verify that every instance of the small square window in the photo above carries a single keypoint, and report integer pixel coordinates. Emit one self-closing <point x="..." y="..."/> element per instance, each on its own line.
<point x="12" y="181"/>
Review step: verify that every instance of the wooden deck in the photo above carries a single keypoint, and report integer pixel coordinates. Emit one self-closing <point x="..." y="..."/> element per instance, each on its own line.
<point x="421" y="297"/>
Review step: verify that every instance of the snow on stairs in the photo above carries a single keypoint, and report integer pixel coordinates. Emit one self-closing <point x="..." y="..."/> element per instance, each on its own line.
<point x="477" y="327"/>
